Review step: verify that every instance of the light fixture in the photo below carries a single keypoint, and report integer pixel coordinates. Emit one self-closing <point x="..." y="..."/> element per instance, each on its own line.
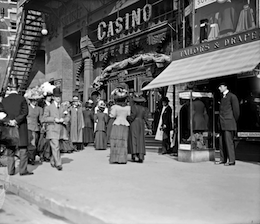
<point x="44" y="30"/>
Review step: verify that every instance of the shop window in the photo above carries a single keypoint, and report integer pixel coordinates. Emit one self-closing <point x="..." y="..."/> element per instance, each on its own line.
<point x="249" y="99"/>
<point x="215" y="19"/>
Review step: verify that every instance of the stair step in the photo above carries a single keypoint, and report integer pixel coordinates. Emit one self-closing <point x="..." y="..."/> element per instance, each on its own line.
<point x="31" y="35"/>
<point x="33" y="30"/>
<point x="23" y="53"/>
<point x="22" y="62"/>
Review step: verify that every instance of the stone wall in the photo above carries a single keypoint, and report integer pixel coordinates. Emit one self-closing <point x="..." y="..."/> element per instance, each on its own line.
<point x="59" y="64"/>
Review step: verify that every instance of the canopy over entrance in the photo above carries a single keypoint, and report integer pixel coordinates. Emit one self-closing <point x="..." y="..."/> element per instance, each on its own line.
<point x="233" y="60"/>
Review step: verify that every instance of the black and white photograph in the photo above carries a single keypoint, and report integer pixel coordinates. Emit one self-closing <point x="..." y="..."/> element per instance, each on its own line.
<point x="129" y="111"/>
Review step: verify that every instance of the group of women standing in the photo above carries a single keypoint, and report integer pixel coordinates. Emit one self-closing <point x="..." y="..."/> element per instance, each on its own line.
<point x="125" y="129"/>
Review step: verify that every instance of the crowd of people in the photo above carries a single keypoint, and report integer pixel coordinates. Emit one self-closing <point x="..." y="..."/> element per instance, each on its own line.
<point x="49" y="127"/>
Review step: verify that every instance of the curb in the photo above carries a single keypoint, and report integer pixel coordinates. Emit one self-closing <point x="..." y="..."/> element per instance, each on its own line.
<point x="53" y="203"/>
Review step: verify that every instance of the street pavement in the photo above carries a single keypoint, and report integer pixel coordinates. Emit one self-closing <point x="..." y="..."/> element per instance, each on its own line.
<point x="159" y="191"/>
<point x="19" y="211"/>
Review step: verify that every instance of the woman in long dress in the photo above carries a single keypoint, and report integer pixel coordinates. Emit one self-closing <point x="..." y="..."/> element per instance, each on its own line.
<point x="101" y="119"/>
<point x="138" y="120"/>
<point x="120" y="128"/>
<point x="88" y="131"/>
<point x="110" y="121"/>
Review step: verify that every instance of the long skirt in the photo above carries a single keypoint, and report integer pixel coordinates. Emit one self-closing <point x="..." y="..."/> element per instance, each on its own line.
<point x="100" y="140"/>
<point x="118" y="144"/>
<point x="109" y="128"/>
<point x="88" y="135"/>
<point x="66" y="146"/>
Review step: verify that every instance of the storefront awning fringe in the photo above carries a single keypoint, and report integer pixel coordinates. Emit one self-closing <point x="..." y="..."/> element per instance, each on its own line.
<point x="232" y="60"/>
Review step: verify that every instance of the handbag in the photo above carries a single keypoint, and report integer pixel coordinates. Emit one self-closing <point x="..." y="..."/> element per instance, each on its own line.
<point x="9" y="135"/>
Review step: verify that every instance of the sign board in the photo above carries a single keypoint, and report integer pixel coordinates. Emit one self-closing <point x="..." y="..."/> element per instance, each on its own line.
<point x="222" y="43"/>
<point x="248" y="134"/>
<point x="202" y="3"/>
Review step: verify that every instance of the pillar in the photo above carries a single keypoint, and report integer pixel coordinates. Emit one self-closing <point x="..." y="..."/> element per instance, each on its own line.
<point x="88" y="73"/>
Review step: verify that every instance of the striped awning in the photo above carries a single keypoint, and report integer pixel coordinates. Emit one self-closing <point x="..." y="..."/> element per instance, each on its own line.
<point x="232" y="60"/>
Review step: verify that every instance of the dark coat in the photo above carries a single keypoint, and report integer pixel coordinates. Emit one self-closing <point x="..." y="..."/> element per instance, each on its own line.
<point x="88" y="116"/>
<point x="34" y="118"/>
<point x="138" y="118"/>
<point x="16" y="108"/>
<point x="167" y="120"/>
<point x="229" y="112"/>
<point x="101" y="118"/>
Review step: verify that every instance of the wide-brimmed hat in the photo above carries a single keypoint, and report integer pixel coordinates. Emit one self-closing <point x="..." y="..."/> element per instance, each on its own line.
<point x="57" y="92"/>
<point x="165" y="99"/>
<point x="119" y="93"/>
<point x="139" y="99"/>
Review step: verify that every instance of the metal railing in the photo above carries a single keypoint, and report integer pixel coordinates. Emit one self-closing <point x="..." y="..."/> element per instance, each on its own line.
<point x="13" y="51"/>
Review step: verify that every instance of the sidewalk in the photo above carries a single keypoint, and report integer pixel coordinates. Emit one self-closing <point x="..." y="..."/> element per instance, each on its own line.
<point x="159" y="191"/>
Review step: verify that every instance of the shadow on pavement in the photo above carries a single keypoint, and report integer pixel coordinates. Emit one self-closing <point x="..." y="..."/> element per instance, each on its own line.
<point x="66" y="160"/>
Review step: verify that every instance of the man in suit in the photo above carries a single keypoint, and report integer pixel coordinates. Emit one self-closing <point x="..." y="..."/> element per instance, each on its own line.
<point x="33" y="120"/>
<point x="166" y="115"/>
<point x="16" y="108"/>
<point x="228" y="116"/>
<point x="57" y="117"/>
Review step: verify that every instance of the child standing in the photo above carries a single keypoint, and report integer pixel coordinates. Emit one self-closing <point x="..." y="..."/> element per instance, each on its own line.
<point x="101" y="120"/>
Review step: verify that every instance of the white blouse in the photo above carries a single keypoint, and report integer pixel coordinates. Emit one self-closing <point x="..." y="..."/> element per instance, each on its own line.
<point x="120" y="113"/>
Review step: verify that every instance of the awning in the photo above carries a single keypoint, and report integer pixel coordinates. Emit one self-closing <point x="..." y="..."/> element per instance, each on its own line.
<point x="232" y="60"/>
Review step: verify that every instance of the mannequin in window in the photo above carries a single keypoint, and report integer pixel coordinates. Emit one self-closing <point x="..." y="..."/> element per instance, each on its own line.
<point x="200" y="117"/>
<point x="226" y="18"/>
<point x="214" y="28"/>
<point x="204" y="29"/>
<point x="246" y="19"/>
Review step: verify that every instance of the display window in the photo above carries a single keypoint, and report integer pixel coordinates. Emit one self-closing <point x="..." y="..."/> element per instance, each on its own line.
<point x="196" y="120"/>
<point x="219" y="18"/>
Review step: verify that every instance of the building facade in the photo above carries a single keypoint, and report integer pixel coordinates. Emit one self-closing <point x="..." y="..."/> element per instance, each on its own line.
<point x="226" y="48"/>
<point x="8" y="28"/>
<point x="91" y="46"/>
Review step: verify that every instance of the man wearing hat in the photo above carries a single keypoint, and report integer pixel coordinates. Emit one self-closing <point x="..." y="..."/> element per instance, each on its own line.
<point x="165" y="125"/>
<point x="228" y="116"/>
<point x="16" y="108"/>
<point x="56" y="117"/>
<point x="33" y="120"/>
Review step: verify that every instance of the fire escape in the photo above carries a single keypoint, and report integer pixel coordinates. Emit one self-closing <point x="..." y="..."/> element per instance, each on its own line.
<point x="24" y="49"/>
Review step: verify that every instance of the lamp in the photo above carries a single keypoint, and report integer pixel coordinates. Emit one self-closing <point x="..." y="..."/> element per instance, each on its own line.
<point x="44" y="30"/>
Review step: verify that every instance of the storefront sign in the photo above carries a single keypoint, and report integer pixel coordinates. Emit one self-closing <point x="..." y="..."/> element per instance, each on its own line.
<point x="201" y="3"/>
<point x="248" y="134"/>
<point x="230" y="41"/>
<point x="113" y="28"/>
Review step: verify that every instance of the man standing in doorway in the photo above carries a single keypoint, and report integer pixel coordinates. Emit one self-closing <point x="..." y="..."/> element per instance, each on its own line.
<point x="228" y="116"/>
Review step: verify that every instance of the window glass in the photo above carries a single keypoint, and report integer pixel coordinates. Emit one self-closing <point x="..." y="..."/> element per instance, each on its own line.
<point x="218" y="18"/>
<point x="249" y="100"/>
